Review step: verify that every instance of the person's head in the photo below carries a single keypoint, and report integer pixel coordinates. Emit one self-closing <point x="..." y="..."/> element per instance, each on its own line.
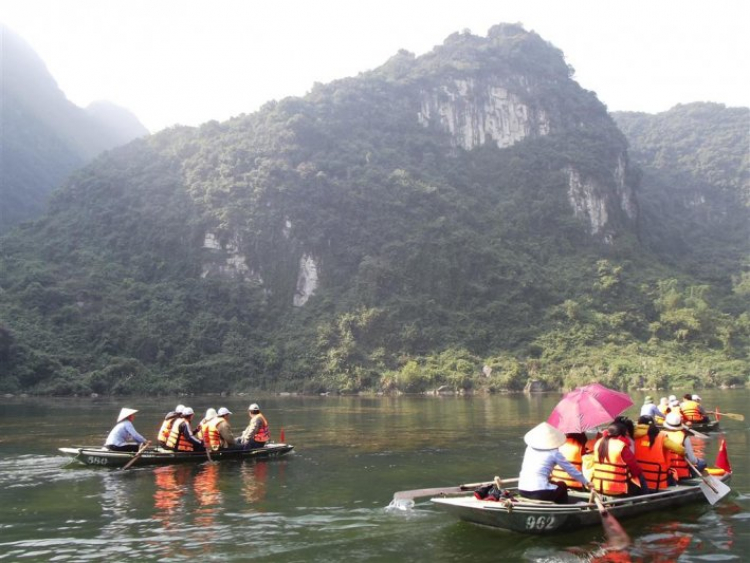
<point x="225" y="412"/>
<point x="579" y="437"/>
<point x="672" y="398"/>
<point x="210" y="413"/>
<point x="179" y="408"/>
<point x="126" y="414"/>
<point x="614" y="430"/>
<point x="674" y="403"/>
<point x="253" y="409"/>
<point x="544" y="436"/>
<point x="648" y="400"/>
<point x="187" y="412"/>
<point x="664" y="401"/>
<point x="697" y="398"/>
<point x="688" y="397"/>
<point x="673" y="421"/>
<point x="627" y="424"/>
<point x="646" y="419"/>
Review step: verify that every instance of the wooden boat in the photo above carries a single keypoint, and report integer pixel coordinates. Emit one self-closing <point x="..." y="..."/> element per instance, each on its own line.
<point x="705" y="427"/>
<point x="538" y="517"/>
<point x="102" y="457"/>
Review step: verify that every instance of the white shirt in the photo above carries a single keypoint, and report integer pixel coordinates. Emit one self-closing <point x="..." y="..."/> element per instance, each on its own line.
<point x="537" y="467"/>
<point x="123" y="433"/>
<point x="651" y="410"/>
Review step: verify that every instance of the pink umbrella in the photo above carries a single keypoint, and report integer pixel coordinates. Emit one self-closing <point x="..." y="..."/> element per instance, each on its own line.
<point x="588" y="407"/>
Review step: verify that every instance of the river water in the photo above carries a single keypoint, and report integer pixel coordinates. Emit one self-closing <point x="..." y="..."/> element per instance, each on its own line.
<point x="327" y="501"/>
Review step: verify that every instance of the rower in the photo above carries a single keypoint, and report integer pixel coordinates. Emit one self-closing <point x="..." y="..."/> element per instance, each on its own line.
<point x="122" y="436"/>
<point x="650" y="409"/>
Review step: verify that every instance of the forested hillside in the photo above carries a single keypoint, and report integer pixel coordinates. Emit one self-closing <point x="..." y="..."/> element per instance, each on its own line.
<point x="44" y="136"/>
<point x="468" y="218"/>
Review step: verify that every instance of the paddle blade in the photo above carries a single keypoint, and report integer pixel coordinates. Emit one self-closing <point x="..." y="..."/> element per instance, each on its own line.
<point x="722" y="457"/>
<point x="713" y="489"/>
<point x="617" y="537"/>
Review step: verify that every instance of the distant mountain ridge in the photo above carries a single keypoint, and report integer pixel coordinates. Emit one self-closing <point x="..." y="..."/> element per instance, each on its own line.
<point x="44" y="136"/>
<point x="394" y="231"/>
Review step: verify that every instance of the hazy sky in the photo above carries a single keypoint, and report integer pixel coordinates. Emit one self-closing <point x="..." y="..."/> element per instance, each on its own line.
<point x="190" y="61"/>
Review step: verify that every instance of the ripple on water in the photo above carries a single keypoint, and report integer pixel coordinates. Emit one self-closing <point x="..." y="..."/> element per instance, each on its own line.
<point x="30" y="470"/>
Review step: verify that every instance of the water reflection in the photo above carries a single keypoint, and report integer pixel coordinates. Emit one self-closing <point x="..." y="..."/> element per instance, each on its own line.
<point x="254" y="477"/>
<point x="170" y="487"/>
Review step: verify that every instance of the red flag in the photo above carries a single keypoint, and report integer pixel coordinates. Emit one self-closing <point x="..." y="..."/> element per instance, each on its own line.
<point x="717" y="414"/>
<point x="281" y="438"/>
<point x="722" y="458"/>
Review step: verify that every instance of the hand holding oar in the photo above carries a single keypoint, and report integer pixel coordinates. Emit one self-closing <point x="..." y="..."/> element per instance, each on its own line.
<point x="617" y="538"/>
<point x="713" y="489"/>
<point x="138" y="454"/>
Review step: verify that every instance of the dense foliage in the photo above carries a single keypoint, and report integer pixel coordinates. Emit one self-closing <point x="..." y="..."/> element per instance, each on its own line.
<point x="438" y="266"/>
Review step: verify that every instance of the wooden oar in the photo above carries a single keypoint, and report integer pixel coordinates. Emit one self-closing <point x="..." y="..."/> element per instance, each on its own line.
<point x="138" y="454"/>
<point x="732" y="415"/>
<point x="420" y="493"/>
<point x="713" y="489"/>
<point x="696" y="433"/>
<point x="617" y="538"/>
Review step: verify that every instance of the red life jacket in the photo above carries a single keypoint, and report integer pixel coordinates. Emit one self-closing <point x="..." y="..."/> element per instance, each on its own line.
<point x="263" y="434"/>
<point x="177" y="440"/>
<point x="653" y="460"/>
<point x="211" y="435"/>
<point x="611" y="474"/>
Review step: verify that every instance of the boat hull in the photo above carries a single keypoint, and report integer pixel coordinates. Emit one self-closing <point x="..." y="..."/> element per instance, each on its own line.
<point x="101" y="457"/>
<point x="548" y="518"/>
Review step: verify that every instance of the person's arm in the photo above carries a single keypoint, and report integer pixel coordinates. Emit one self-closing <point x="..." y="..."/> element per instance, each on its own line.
<point x="674" y="447"/>
<point x="226" y="434"/>
<point x="689" y="454"/>
<point x="185" y="429"/>
<point x="253" y="428"/>
<point x="134" y="433"/>
<point x="570" y="468"/>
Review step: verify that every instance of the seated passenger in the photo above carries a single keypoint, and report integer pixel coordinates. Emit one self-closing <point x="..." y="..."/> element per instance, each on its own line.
<point x="691" y="410"/>
<point x="181" y="437"/>
<point x="675" y="432"/>
<point x="217" y="434"/>
<point x="540" y="458"/>
<point x="652" y="452"/>
<point x="257" y="434"/>
<point x="573" y="450"/>
<point x="615" y="466"/>
<point x="166" y="426"/>
<point x="124" y="437"/>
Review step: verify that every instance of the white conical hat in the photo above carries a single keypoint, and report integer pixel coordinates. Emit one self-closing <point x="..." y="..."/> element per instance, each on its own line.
<point x="125" y="413"/>
<point x="544" y="436"/>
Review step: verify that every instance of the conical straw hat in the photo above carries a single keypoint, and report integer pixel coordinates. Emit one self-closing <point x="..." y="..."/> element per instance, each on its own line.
<point x="544" y="436"/>
<point x="125" y="413"/>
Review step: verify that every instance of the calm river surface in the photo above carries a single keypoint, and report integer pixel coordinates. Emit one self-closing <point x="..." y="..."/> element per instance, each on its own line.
<point x="325" y="502"/>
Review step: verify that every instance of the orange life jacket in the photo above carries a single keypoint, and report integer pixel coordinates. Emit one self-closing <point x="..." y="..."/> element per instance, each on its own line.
<point x="573" y="452"/>
<point x="166" y="428"/>
<point x="263" y="434"/>
<point x="653" y="460"/>
<point x="677" y="462"/>
<point x="211" y="434"/>
<point x="611" y="474"/>
<point x="177" y="440"/>
<point x="691" y="411"/>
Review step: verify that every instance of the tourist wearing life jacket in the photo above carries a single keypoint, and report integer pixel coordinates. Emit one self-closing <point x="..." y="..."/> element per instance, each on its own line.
<point x="541" y="456"/>
<point x="217" y="434"/>
<point x="674" y="406"/>
<point x="652" y="452"/>
<point x="256" y="434"/>
<point x="573" y="450"/>
<point x="691" y="410"/>
<point x="181" y="437"/>
<point x="663" y="406"/>
<point x="124" y="437"/>
<point x="677" y="433"/>
<point x="166" y="426"/>
<point x="200" y="431"/>
<point x="615" y="464"/>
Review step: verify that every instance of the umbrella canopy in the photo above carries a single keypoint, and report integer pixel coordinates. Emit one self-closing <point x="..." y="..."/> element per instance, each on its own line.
<point x="588" y="407"/>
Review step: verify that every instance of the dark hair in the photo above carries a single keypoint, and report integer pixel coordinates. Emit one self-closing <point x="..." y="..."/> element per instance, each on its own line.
<point x="653" y="430"/>
<point x="614" y="430"/>
<point x="579" y="437"/>
<point x="627" y="423"/>
<point x="688" y="396"/>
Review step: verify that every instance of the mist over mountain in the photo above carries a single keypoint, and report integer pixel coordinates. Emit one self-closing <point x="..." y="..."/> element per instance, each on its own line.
<point x="45" y="136"/>
<point x="470" y="218"/>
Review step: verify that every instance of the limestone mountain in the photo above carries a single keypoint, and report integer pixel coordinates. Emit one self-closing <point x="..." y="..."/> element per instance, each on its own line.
<point x="399" y="229"/>
<point x="45" y="136"/>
